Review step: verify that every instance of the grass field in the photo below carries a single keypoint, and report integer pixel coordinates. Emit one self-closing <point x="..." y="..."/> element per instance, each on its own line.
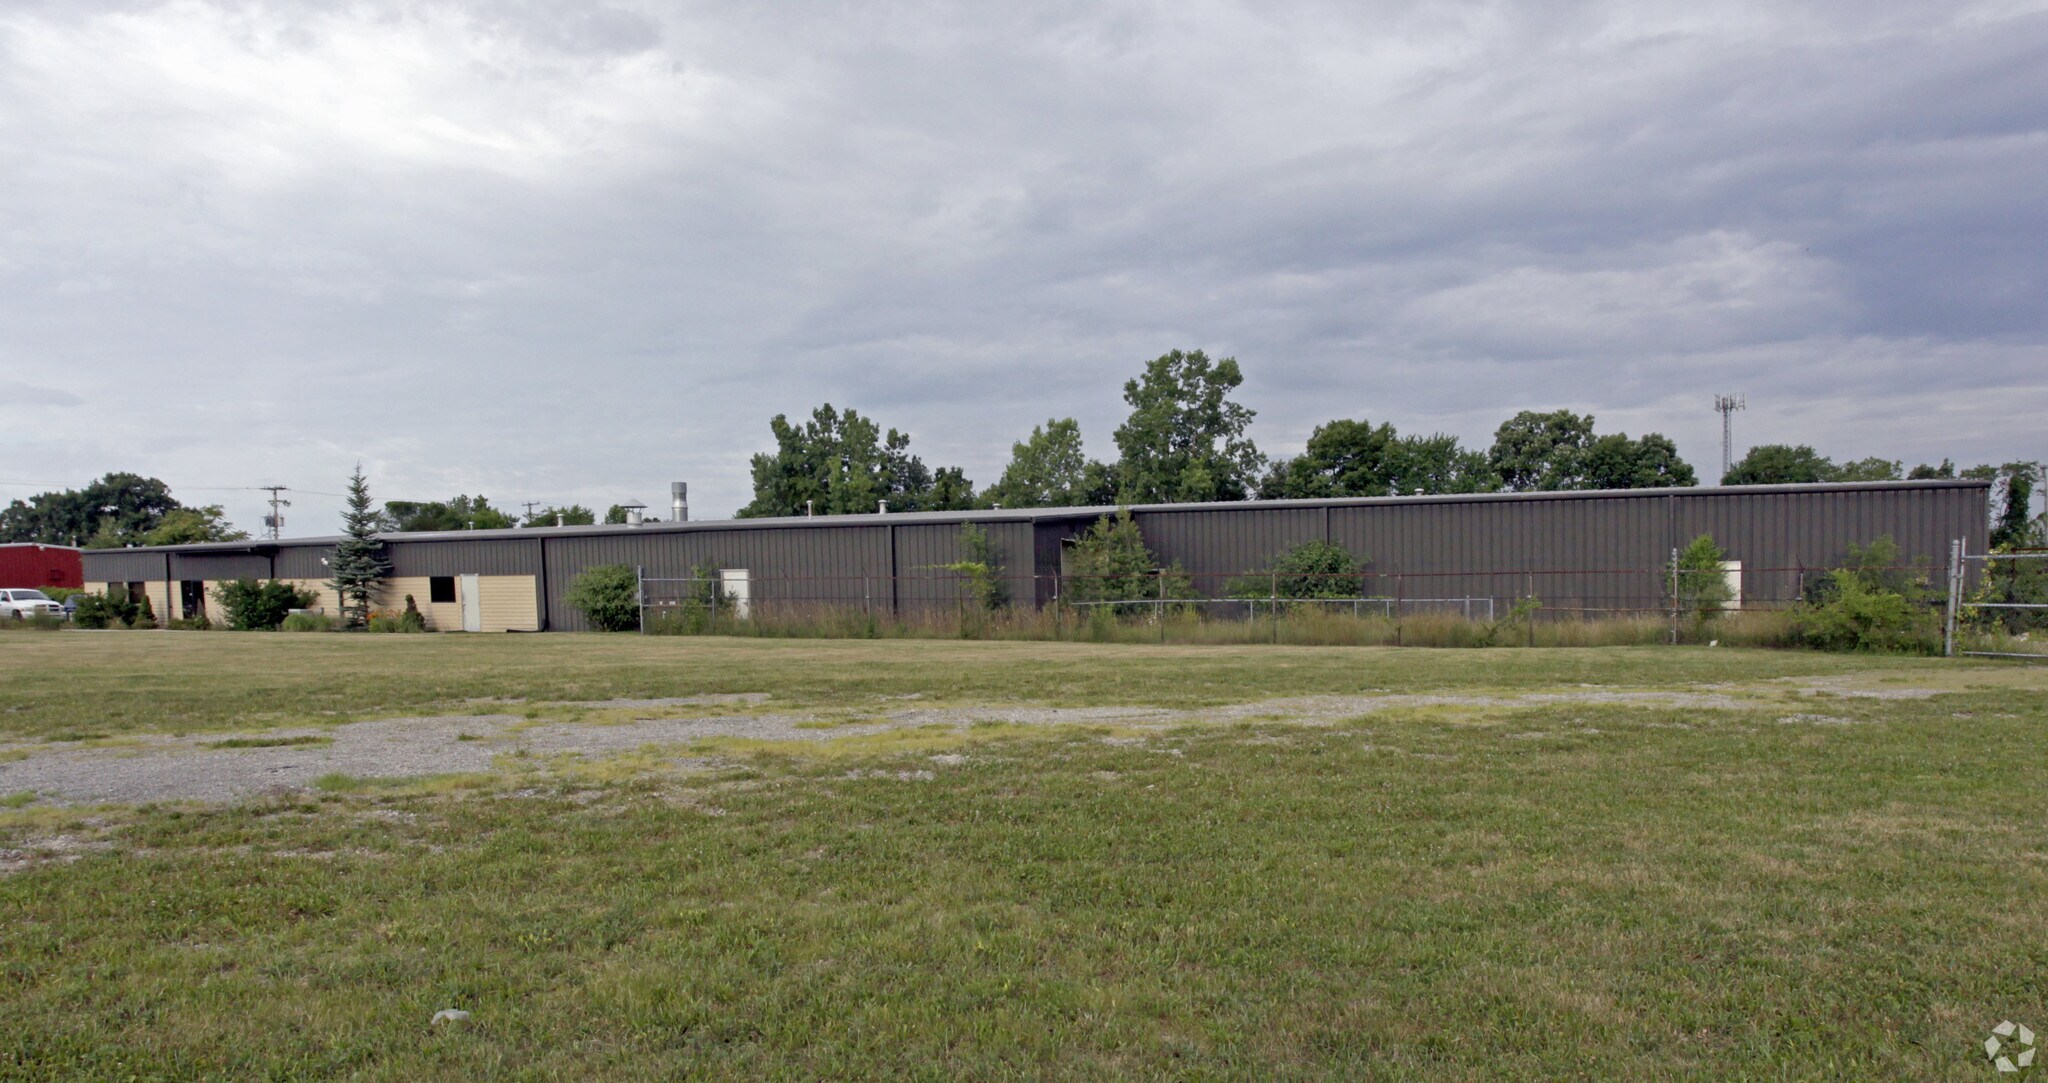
<point x="1831" y="867"/>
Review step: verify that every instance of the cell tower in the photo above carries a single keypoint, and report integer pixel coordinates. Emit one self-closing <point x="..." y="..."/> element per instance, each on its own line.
<point x="1727" y="405"/>
<point x="274" y="522"/>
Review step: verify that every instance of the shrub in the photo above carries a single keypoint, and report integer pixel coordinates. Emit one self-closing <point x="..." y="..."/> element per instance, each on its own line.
<point x="1871" y="604"/>
<point x="382" y="622"/>
<point x="249" y="606"/>
<point x="609" y="596"/>
<point x="305" y="622"/>
<point x="411" y="620"/>
<point x="40" y="622"/>
<point x="1110" y="563"/>
<point x="982" y="567"/>
<point x="198" y="623"/>
<point x="97" y="611"/>
<point x="1314" y="569"/>
<point x="145" y="614"/>
<point x="1702" y="586"/>
<point x="1859" y="616"/>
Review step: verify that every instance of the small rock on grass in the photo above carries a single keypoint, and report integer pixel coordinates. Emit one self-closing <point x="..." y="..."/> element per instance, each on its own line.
<point x="451" y="1015"/>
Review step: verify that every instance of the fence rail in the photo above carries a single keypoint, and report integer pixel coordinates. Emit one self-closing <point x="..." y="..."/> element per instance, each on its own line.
<point x="1965" y="611"/>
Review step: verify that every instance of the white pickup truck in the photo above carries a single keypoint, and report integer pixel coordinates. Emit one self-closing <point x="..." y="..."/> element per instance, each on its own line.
<point x="17" y="604"/>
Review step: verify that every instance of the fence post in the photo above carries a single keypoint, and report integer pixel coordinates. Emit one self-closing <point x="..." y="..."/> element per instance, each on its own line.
<point x="640" y="598"/>
<point x="1273" y="592"/>
<point x="1159" y="607"/>
<point x="1955" y="577"/>
<point x="1674" y="596"/>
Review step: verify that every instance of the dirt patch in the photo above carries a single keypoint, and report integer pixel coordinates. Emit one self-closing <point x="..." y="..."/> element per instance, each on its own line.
<point x="221" y="767"/>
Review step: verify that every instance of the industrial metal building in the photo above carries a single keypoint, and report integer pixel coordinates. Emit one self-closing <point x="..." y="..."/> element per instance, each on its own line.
<point x="1577" y="551"/>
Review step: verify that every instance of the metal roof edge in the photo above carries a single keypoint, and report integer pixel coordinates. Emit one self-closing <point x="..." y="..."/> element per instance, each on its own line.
<point x="1038" y="515"/>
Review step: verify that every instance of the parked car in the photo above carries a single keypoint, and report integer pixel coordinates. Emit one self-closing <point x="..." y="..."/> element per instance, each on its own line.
<point x="71" y="605"/>
<point x="19" y="603"/>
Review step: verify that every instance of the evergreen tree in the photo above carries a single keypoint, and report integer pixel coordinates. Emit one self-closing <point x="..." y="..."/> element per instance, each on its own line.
<point x="359" y="563"/>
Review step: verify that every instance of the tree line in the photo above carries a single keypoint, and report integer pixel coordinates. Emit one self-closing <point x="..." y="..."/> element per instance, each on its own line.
<point x="1187" y="439"/>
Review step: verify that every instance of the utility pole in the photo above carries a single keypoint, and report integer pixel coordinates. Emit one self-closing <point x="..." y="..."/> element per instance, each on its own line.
<point x="530" y="505"/>
<point x="1726" y="405"/>
<point x="274" y="522"/>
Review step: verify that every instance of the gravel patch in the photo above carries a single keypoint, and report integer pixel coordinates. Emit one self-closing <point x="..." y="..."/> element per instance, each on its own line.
<point x="159" y="768"/>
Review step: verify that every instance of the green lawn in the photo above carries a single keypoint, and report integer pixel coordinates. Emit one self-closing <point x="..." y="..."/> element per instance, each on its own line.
<point x="1799" y="886"/>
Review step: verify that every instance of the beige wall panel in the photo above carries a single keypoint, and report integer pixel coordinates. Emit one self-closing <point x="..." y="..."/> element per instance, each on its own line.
<point x="440" y="617"/>
<point x="508" y="604"/>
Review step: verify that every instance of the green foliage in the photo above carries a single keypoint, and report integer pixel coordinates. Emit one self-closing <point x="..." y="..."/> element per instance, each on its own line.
<point x="1313" y="569"/>
<point x="2020" y="581"/>
<point x="842" y="464"/>
<point x="1185" y="439"/>
<point x="1872" y="603"/>
<point x="195" y="623"/>
<point x="982" y="567"/>
<point x="573" y="515"/>
<point x="101" y="611"/>
<point x="1870" y="469"/>
<point x="1702" y="586"/>
<point x="145" y="614"/>
<point x="187" y="526"/>
<point x="305" y="622"/>
<point x="1780" y="464"/>
<point x="1616" y="462"/>
<point x="81" y="516"/>
<point x="40" y="622"/>
<point x="248" y="605"/>
<point x="1923" y="472"/>
<point x="1049" y="470"/>
<point x="359" y="563"/>
<point x="1538" y="452"/>
<point x="1358" y="458"/>
<point x="2014" y="526"/>
<point x="411" y="619"/>
<point x="609" y="596"/>
<point x="462" y="513"/>
<point x="1541" y="452"/>
<point x="1111" y="563"/>
<point x="1858" y="616"/>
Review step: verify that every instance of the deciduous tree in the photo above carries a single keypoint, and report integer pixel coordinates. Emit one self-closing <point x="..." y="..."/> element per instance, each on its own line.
<point x="1185" y="439"/>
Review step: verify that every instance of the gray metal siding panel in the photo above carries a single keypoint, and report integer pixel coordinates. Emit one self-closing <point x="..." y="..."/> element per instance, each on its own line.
<point x="509" y="556"/>
<point x="211" y="566"/>
<point x="121" y="566"/>
<point x="304" y="561"/>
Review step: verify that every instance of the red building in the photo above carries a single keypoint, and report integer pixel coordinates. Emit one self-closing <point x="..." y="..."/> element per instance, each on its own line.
<point x="27" y="564"/>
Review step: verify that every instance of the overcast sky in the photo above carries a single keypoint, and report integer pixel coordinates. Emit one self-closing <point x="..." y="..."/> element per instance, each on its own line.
<point x="568" y="253"/>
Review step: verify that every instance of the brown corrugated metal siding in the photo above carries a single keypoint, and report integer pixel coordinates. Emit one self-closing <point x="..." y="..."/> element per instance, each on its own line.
<point x="1602" y="551"/>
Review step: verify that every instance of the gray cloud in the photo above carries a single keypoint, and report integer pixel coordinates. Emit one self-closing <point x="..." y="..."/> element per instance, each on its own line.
<point x="570" y="254"/>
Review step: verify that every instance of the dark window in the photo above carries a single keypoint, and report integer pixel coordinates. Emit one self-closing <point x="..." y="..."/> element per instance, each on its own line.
<point x="441" y="588"/>
<point x="192" y="595"/>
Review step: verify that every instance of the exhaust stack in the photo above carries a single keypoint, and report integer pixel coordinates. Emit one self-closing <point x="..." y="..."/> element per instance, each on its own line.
<point x="679" y="500"/>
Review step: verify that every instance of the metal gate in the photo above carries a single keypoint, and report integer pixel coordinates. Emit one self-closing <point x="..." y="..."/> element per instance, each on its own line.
<point x="2016" y="600"/>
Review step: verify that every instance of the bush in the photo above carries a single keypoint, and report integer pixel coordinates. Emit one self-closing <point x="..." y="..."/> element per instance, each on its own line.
<point x="1861" y="617"/>
<point x="97" y="611"/>
<point x="250" y="606"/>
<point x="197" y="623"/>
<point x="1314" y="569"/>
<point x="145" y="614"/>
<point x="411" y="620"/>
<point x="382" y="622"/>
<point x="609" y="596"/>
<point x="1872" y="603"/>
<point x="40" y="622"/>
<point x="305" y="622"/>
<point x="1110" y="563"/>
<point x="1702" y="586"/>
